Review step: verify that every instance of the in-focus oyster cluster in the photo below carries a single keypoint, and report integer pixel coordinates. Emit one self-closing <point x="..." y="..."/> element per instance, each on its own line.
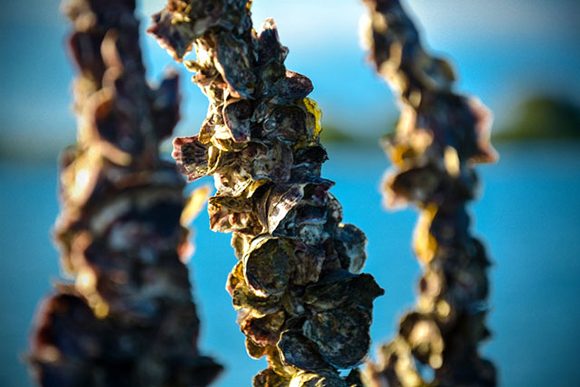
<point x="438" y="139"/>
<point x="301" y="300"/>
<point x="128" y="319"/>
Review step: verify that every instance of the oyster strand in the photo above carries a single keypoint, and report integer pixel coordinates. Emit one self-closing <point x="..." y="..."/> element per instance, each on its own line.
<point x="438" y="139"/>
<point x="128" y="318"/>
<point x="301" y="300"/>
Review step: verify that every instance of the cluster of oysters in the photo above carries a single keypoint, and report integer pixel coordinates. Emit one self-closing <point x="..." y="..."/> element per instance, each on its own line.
<point x="439" y="137"/>
<point x="128" y="319"/>
<point x="302" y="302"/>
<point x="297" y="287"/>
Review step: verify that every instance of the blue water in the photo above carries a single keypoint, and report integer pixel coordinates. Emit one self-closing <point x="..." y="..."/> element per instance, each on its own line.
<point x="529" y="216"/>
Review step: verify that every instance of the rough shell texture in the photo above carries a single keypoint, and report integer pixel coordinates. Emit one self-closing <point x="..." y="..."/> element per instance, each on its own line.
<point x="296" y="286"/>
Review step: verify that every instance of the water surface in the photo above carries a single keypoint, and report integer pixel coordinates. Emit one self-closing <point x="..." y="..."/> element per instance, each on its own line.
<point x="528" y="215"/>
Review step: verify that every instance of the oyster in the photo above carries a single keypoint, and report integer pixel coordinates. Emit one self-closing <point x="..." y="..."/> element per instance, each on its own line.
<point x="296" y="279"/>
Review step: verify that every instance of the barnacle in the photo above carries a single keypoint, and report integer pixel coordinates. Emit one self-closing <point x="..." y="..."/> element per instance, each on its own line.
<point x="439" y="137"/>
<point x="300" y="299"/>
<point x="128" y="317"/>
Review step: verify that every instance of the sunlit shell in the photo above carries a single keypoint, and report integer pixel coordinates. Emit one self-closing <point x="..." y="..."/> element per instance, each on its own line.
<point x="267" y="265"/>
<point x="298" y="351"/>
<point x="350" y="243"/>
<point x="333" y="331"/>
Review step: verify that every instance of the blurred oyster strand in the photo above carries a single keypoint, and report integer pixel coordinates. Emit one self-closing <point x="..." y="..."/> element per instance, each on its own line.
<point x="300" y="298"/>
<point x="128" y="319"/>
<point x="439" y="138"/>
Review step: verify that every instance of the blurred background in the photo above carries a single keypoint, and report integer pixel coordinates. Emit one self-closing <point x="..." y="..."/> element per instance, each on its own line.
<point x="521" y="57"/>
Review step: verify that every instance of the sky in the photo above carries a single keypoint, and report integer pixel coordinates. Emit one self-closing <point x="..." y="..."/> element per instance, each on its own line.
<point x="503" y="50"/>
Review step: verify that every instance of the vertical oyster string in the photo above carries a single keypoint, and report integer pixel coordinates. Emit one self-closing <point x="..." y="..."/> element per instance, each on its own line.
<point x="301" y="299"/>
<point x="128" y="318"/>
<point x="438" y="139"/>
